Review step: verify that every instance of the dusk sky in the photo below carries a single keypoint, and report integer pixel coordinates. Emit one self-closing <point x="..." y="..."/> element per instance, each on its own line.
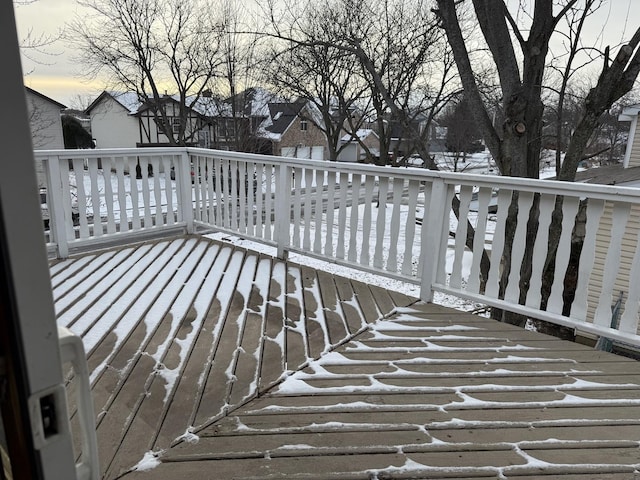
<point x="58" y="77"/>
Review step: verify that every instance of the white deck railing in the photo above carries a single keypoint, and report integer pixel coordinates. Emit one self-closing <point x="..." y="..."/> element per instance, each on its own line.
<point x="396" y="222"/>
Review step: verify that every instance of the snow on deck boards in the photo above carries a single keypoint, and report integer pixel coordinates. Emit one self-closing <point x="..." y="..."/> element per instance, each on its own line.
<point x="229" y="364"/>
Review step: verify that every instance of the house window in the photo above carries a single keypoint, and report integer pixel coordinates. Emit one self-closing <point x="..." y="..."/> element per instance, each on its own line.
<point x="304" y="125"/>
<point x="204" y="138"/>
<point x="175" y="125"/>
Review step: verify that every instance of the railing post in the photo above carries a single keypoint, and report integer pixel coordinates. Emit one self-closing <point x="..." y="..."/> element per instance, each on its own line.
<point x="184" y="194"/>
<point x="57" y="225"/>
<point x="282" y="212"/>
<point x="432" y="240"/>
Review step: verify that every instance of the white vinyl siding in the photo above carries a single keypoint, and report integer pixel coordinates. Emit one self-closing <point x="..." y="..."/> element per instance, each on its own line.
<point x="603" y="241"/>
<point x="112" y="126"/>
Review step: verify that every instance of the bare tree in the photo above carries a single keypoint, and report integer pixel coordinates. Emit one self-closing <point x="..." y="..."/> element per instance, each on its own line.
<point x="462" y="134"/>
<point x="516" y="143"/>
<point x="238" y="45"/>
<point x="398" y="51"/>
<point x="312" y="69"/>
<point x="520" y="64"/>
<point x="153" y="46"/>
<point x="37" y="46"/>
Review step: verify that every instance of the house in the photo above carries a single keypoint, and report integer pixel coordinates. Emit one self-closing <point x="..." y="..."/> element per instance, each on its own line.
<point x="293" y="130"/>
<point x="124" y="120"/>
<point x="46" y="126"/>
<point x="626" y="174"/>
<point x="352" y="149"/>
<point x="238" y="119"/>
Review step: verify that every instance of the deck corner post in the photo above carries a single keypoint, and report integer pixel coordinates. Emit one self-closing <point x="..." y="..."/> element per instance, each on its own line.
<point x="55" y="205"/>
<point x="433" y="229"/>
<point x="185" y="198"/>
<point x="282" y="213"/>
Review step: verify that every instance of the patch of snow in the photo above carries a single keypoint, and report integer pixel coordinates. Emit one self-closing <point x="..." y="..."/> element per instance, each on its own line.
<point x="149" y="461"/>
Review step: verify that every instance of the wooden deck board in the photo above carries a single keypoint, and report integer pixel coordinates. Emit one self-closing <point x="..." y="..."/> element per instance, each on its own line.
<point x="196" y="356"/>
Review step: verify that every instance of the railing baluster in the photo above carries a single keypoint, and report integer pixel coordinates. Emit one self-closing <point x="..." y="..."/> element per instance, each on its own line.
<point x="629" y="318"/>
<point x="497" y="245"/>
<point x="570" y="207"/>
<point x="123" y="221"/>
<point x="269" y="204"/>
<point x="146" y="193"/>
<point x="620" y="217"/>
<point x="308" y="199"/>
<point x="109" y="199"/>
<point x="383" y="191"/>
<point x="460" y="242"/>
<point x="157" y="191"/>
<point x="356" y="183"/>
<point x="410" y="227"/>
<point x="369" y="184"/>
<point x="297" y="204"/>
<point x="217" y="181"/>
<point x="540" y="249"/>
<point x="133" y="192"/>
<point x="343" y="190"/>
<point x="512" y="291"/>
<point x="241" y="188"/>
<point x="331" y="195"/>
<point x="595" y="208"/>
<point x="394" y="224"/>
<point x="444" y="238"/>
<point x="250" y="199"/>
<point x="92" y="169"/>
<point x="209" y="207"/>
<point x="260" y="211"/>
<point x="318" y="210"/>
<point x="479" y="239"/>
<point x="168" y="189"/>
<point x="81" y="198"/>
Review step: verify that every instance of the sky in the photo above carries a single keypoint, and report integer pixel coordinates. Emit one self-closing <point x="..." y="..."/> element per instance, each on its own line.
<point x="60" y="78"/>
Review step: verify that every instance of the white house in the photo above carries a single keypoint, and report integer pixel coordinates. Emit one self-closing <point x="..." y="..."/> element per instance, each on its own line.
<point x="113" y="124"/>
<point x="626" y="174"/>
<point x="46" y="126"/>
<point x="123" y="120"/>
<point x="352" y="147"/>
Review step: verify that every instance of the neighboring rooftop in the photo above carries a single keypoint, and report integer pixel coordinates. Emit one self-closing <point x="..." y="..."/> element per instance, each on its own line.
<point x="609" y="175"/>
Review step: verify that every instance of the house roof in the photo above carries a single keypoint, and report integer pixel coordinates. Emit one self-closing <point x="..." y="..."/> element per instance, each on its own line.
<point x="609" y="175"/>
<point x="629" y="112"/>
<point x="128" y="100"/>
<point x="282" y="115"/>
<point x="255" y="103"/>
<point x="44" y="97"/>
<point x="361" y="134"/>
<point x="252" y="102"/>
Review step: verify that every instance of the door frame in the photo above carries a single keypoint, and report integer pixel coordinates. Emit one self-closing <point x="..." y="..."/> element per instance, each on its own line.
<point x="35" y="414"/>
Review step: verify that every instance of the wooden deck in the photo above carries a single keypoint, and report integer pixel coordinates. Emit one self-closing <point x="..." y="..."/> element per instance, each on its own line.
<point x="211" y="362"/>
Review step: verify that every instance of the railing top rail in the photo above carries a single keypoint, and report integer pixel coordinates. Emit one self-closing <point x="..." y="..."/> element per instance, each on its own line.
<point x="105" y="152"/>
<point x="554" y="187"/>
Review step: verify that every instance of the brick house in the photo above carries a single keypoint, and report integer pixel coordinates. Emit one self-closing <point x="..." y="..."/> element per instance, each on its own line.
<point x="293" y="129"/>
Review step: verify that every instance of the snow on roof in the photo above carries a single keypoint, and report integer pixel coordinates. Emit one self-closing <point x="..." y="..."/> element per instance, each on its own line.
<point x="361" y="134"/>
<point x="128" y="100"/>
<point x="629" y="112"/>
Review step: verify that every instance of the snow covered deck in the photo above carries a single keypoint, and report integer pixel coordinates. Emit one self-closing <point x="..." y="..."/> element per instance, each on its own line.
<point x="209" y="361"/>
